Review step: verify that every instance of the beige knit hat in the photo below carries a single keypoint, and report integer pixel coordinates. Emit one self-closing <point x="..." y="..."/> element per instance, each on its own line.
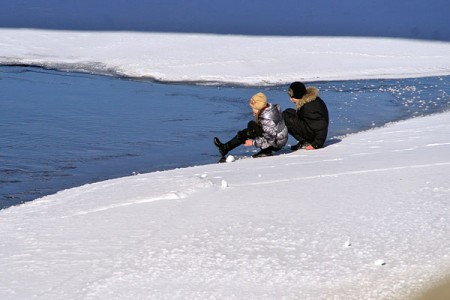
<point x="258" y="101"/>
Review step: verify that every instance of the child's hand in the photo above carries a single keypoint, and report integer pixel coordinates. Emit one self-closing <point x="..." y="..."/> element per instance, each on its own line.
<point x="248" y="143"/>
<point x="309" y="147"/>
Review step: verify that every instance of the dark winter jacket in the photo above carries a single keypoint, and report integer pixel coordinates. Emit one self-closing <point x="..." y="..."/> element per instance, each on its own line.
<point x="275" y="132"/>
<point x="312" y="113"/>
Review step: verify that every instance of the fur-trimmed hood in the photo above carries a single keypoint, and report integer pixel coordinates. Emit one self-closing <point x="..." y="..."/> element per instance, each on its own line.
<point x="311" y="94"/>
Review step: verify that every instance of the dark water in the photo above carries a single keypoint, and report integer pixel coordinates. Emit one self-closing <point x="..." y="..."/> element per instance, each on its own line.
<point x="60" y="130"/>
<point x="416" y="19"/>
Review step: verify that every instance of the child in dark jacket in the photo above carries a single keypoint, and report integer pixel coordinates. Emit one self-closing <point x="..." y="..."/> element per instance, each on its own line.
<point x="268" y="131"/>
<point x="308" y="123"/>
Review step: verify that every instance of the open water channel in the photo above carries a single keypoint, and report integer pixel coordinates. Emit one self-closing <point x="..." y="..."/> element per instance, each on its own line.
<point x="61" y="129"/>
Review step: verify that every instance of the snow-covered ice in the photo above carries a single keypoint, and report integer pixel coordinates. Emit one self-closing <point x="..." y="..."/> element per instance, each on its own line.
<point x="364" y="218"/>
<point x="257" y="60"/>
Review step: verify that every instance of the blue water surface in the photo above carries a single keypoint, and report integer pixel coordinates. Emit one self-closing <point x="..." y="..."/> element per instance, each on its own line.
<point x="64" y="129"/>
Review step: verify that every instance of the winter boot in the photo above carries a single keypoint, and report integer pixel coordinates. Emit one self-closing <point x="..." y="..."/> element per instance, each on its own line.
<point x="228" y="146"/>
<point x="263" y="153"/>
<point x="220" y="146"/>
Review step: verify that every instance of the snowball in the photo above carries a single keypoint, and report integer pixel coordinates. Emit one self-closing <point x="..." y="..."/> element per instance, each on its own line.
<point x="230" y="158"/>
<point x="379" y="262"/>
<point x="224" y="184"/>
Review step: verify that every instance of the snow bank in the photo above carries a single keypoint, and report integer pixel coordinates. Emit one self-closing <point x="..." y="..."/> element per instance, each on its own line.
<point x="364" y="218"/>
<point x="255" y="60"/>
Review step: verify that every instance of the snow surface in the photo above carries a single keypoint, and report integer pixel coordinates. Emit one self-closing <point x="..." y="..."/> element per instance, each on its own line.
<point x="255" y="60"/>
<point x="363" y="218"/>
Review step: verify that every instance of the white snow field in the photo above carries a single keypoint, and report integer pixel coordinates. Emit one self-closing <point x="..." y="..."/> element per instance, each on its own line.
<point x="366" y="217"/>
<point x="256" y="60"/>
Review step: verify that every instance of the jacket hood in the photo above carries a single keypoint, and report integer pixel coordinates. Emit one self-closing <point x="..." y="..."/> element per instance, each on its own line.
<point x="272" y="112"/>
<point x="311" y="94"/>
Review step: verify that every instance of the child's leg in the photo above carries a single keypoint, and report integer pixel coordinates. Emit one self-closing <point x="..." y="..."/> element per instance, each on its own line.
<point x="236" y="141"/>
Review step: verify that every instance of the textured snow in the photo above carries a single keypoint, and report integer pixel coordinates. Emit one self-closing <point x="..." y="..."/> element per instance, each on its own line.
<point x="363" y="218"/>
